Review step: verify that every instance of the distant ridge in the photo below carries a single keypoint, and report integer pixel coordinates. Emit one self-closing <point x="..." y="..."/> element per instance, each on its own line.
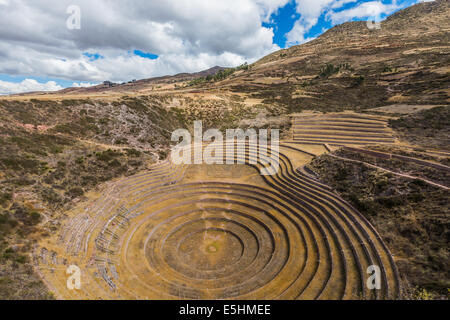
<point x="140" y="84"/>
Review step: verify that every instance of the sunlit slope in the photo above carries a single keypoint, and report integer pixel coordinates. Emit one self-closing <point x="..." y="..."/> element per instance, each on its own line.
<point x="192" y="232"/>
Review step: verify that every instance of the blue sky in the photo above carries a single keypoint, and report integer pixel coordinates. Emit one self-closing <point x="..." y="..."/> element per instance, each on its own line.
<point x="153" y="39"/>
<point x="19" y="78"/>
<point x="283" y="21"/>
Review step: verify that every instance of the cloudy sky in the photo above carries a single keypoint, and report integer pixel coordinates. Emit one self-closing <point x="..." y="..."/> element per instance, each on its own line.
<point x="46" y="45"/>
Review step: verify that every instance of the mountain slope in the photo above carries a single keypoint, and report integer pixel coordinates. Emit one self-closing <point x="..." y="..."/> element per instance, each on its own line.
<point x="57" y="146"/>
<point x="353" y="67"/>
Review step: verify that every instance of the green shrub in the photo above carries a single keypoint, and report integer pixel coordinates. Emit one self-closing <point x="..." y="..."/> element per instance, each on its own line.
<point x="35" y="218"/>
<point x="330" y="69"/>
<point x="5" y="197"/>
<point x="114" y="163"/>
<point x="107" y="155"/>
<point x="75" y="192"/>
<point x="79" y="160"/>
<point x="133" y="152"/>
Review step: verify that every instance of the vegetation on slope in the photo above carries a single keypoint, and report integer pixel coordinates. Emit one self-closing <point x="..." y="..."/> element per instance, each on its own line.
<point x="427" y="128"/>
<point x="351" y="67"/>
<point x="411" y="216"/>
<point x="218" y="76"/>
<point x="51" y="154"/>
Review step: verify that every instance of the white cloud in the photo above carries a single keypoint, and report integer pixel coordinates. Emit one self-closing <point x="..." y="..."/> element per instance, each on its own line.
<point x="339" y="3"/>
<point x="268" y="7"/>
<point x="297" y="34"/>
<point x="367" y="9"/>
<point x="311" y="10"/>
<point x="27" y="85"/>
<point x="187" y="35"/>
<point x="83" y="84"/>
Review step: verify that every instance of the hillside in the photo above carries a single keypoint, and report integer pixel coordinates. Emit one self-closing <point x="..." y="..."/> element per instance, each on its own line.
<point x="51" y="154"/>
<point x="353" y="67"/>
<point x="427" y="128"/>
<point x="349" y="67"/>
<point x="59" y="150"/>
<point x="411" y="216"/>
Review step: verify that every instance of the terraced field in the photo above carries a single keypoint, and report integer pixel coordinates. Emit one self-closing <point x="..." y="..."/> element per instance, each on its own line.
<point x="341" y="129"/>
<point x="219" y="232"/>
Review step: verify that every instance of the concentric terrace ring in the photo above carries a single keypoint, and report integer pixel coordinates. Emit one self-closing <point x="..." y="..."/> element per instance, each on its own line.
<point x="160" y="235"/>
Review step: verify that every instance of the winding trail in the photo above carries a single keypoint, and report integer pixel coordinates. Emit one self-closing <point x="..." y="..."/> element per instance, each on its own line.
<point x="392" y="172"/>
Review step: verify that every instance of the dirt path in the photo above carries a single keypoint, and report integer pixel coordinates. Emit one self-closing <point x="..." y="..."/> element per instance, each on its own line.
<point x="106" y="146"/>
<point x="393" y="172"/>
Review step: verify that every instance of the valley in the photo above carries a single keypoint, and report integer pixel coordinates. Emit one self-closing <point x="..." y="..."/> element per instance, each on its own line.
<point x="86" y="176"/>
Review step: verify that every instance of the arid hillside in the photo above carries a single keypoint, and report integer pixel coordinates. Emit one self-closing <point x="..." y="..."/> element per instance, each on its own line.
<point x="349" y="67"/>
<point x="354" y="67"/>
<point x="53" y="152"/>
<point x="411" y="215"/>
<point x="56" y="147"/>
